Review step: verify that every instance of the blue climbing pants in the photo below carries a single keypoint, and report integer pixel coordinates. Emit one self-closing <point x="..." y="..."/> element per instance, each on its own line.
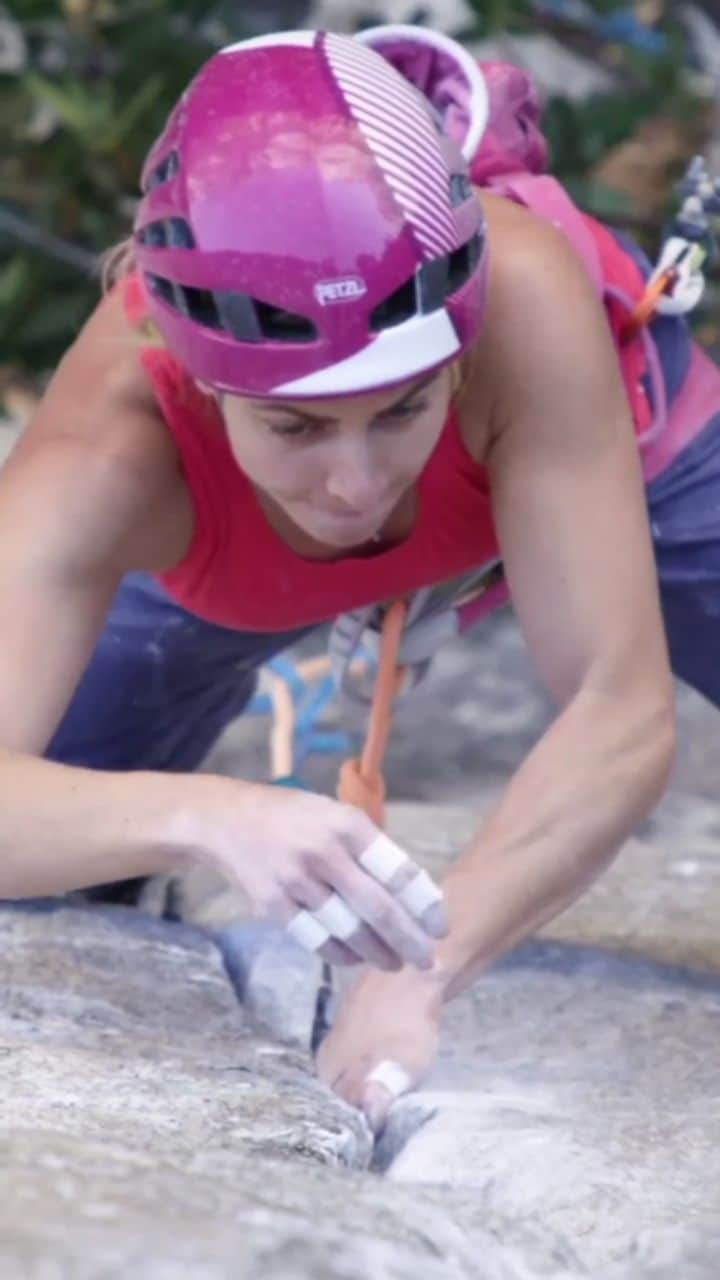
<point x="161" y="686"/>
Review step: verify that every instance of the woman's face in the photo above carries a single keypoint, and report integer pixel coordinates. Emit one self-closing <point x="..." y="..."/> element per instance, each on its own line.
<point x="338" y="467"/>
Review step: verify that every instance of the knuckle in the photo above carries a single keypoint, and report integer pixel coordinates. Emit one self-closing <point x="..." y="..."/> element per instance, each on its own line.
<point x="267" y="906"/>
<point x="296" y="886"/>
<point x="385" y="916"/>
<point x="314" y="862"/>
<point x="356" y="830"/>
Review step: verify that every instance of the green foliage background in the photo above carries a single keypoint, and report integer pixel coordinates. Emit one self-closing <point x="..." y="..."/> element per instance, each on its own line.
<point x="85" y="85"/>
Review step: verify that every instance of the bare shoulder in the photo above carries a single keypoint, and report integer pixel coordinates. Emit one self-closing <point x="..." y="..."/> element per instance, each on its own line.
<point x="101" y="371"/>
<point x="98" y="427"/>
<point x="543" y="314"/>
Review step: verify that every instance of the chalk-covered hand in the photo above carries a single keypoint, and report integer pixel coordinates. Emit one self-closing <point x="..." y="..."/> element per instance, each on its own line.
<point x="325" y="871"/>
<point x="383" y="1042"/>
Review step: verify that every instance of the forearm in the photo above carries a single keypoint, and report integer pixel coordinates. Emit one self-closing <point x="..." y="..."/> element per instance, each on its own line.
<point x="579" y="794"/>
<point x="64" y="828"/>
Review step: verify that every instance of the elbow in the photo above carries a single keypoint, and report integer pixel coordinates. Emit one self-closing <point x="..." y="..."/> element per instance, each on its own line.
<point x="654" y="747"/>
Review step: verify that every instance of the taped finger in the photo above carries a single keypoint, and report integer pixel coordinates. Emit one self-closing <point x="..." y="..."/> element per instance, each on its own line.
<point x="419" y="894"/>
<point x="383" y="859"/>
<point x="391" y="1076"/>
<point x="308" y="931"/>
<point x="337" y="953"/>
<point x="338" y="918"/>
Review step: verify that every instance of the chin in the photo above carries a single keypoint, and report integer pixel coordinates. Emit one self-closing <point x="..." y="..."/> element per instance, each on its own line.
<point x="344" y="538"/>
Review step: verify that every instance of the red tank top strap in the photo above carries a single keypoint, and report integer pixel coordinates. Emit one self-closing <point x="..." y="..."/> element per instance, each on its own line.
<point x="198" y="431"/>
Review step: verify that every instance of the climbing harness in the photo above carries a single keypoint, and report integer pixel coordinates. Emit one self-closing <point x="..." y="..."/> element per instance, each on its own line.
<point x="391" y="646"/>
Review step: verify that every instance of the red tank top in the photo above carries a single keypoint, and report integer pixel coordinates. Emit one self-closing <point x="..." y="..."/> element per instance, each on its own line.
<point x="239" y="573"/>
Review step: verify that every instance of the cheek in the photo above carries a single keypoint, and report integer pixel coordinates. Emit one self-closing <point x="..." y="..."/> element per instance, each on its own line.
<point x="268" y="461"/>
<point x="406" y="452"/>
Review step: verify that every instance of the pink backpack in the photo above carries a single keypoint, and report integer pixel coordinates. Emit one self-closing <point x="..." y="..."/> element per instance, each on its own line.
<point x="491" y="109"/>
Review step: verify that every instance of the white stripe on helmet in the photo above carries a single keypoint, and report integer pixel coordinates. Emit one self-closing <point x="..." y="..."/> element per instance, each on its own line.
<point x="393" y="356"/>
<point x="479" y="105"/>
<point x="399" y="131"/>
<point x="306" y="38"/>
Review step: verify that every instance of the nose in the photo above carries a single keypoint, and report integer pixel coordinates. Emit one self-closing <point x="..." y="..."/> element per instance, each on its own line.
<point x="353" y="477"/>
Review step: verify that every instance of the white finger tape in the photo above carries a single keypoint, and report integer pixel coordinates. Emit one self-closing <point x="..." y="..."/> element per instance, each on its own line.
<point x="420" y="893"/>
<point x="338" y="918"/>
<point x="383" y="859"/>
<point x="308" y="931"/>
<point x="392" y="1077"/>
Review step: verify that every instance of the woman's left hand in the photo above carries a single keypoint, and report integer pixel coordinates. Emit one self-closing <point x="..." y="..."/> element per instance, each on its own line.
<point x="386" y="1018"/>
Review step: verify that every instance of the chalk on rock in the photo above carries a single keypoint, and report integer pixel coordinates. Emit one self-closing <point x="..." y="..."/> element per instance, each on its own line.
<point x="276" y="979"/>
<point x="579" y="1087"/>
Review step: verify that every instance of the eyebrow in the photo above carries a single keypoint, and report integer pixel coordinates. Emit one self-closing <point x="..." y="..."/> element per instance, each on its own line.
<point x="313" y="417"/>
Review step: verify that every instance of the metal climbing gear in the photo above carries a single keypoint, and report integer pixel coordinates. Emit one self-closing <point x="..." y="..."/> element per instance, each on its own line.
<point x="434" y="614"/>
<point x="677" y="284"/>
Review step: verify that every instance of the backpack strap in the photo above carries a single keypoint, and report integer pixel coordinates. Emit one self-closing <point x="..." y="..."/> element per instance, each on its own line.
<point x="639" y="361"/>
<point x="545" y="196"/>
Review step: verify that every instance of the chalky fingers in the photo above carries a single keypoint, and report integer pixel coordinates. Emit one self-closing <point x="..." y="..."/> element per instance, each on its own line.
<point x="361" y="887"/>
<point x="326" y="924"/>
<point x="414" y="888"/>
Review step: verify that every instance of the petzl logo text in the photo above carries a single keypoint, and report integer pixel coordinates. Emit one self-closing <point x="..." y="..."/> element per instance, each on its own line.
<point x="329" y="291"/>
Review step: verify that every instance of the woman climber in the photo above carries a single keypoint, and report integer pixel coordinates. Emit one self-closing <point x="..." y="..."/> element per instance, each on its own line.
<point x="360" y="346"/>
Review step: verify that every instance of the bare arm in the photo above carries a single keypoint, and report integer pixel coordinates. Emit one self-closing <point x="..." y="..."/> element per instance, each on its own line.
<point x="81" y="502"/>
<point x="94" y="490"/>
<point x="571" y="517"/>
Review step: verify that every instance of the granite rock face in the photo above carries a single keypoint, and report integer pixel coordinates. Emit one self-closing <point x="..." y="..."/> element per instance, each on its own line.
<point x="658" y="900"/>
<point x="145" y="1131"/>
<point x="570" y="1127"/>
<point x="578" y="1087"/>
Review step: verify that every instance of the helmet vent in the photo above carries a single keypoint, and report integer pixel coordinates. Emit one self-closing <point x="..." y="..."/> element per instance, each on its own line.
<point x="462" y="262"/>
<point x="247" y="319"/>
<point x="283" y="326"/>
<point x="434" y="282"/>
<point x="167" y="233"/>
<point x="168" y="168"/>
<point x="196" y="304"/>
<point x="397" y="307"/>
<point x="460" y="189"/>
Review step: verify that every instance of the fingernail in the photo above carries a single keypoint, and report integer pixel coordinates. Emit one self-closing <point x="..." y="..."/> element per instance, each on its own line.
<point x="435" y="921"/>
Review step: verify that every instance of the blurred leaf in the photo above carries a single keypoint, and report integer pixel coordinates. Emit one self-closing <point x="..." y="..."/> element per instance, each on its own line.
<point x="14" y="276"/>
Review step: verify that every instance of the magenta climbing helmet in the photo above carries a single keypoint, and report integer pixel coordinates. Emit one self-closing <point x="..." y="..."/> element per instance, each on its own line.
<point x="307" y="228"/>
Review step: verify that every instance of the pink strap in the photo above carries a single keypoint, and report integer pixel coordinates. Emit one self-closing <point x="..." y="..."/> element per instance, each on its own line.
<point x="474" y="610"/>
<point x="545" y="196"/>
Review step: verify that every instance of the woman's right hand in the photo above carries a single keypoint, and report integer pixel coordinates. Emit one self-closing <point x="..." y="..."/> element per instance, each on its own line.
<point x="323" y="870"/>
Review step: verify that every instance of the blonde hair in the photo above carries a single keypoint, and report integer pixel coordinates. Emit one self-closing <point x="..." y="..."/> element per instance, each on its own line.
<point x="459" y="377"/>
<point x="115" y="263"/>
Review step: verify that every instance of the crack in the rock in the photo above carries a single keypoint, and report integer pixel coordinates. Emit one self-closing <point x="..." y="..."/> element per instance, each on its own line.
<point x="322" y="1020"/>
<point x="407" y="1118"/>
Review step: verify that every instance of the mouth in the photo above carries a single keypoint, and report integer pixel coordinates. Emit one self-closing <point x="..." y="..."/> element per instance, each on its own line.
<point x="352" y="515"/>
<point x="359" y="526"/>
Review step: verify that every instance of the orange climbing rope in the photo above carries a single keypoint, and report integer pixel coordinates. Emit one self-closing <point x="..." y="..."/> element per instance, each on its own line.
<point x="361" y="781"/>
<point x="643" y="312"/>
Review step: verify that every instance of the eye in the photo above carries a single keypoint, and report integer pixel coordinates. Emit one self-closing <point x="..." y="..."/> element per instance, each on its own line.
<point x="403" y="412"/>
<point x="292" y="430"/>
